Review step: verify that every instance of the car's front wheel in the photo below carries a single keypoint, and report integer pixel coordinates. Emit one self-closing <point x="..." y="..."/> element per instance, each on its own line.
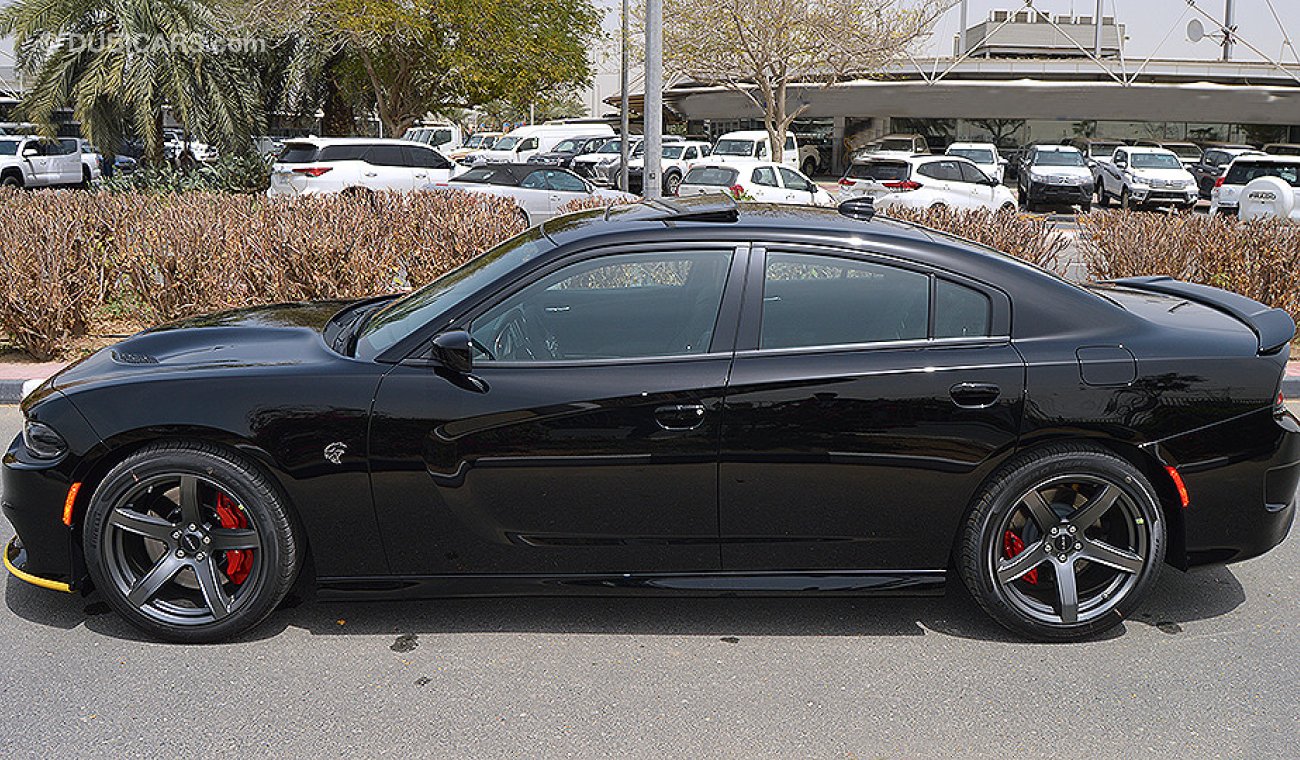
<point x="189" y="542"/>
<point x="1063" y="543"/>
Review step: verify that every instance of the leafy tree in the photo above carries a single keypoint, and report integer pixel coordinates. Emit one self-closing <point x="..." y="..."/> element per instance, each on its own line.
<point x="1000" y="130"/>
<point x="760" y="47"/>
<point x="118" y="63"/>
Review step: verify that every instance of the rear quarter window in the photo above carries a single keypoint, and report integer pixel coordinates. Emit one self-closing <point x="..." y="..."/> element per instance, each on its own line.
<point x="298" y="153"/>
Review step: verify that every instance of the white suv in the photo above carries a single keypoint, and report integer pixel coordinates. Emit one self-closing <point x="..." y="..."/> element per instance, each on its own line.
<point x="924" y="182"/>
<point x="1137" y="176"/>
<point x="1229" y="189"/>
<point x="985" y="156"/>
<point x="36" y="162"/>
<point x="752" y="144"/>
<point x="761" y="181"/>
<point x="355" y="164"/>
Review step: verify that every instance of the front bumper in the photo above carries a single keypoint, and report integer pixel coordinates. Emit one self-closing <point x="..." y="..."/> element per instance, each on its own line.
<point x="33" y="498"/>
<point x="1040" y="192"/>
<point x="1161" y="196"/>
<point x="15" y="559"/>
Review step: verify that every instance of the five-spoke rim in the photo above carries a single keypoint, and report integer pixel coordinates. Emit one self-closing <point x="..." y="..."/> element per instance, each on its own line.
<point x="174" y="555"/>
<point x="1070" y="549"/>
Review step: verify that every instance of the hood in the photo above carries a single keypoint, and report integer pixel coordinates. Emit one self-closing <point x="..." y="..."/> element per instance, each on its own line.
<point x="1177" y="175"/>
<point x="1080" y="172"/>
<point x="264" y="336"/>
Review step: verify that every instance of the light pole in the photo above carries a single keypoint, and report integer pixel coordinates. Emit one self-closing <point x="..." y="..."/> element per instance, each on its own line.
<point x="652" y="142"/>
<point x="623" y="120"/>
<point x="1229" y="29"/>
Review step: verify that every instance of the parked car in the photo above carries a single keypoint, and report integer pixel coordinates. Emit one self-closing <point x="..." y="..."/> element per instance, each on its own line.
<point x="1229" y="189"/>
<point x="1282" y="149"/>
<point x="92" y="163"/>
<point x="1189" y="153"/>
<point x="676" y="160"/>
<point x="760" y="181"/>
<point x="355" y="164"/>
<point x="441" y="137"/>
<point x="897" y="144"/>
<point x="539" y="191"/>
<point x="33" y="161"/>
<point x="595" y="166"/>
<point x="565" y="151"/>
<point x="475" y="142"/>
<point x="924" y="181"/>
<point x="520" y="144"/>
<point x="750" y="145"/>
<point x="630" y="401"/>
<point x="1213" y="163"/>
<point x="177" y="147"/>
<point x="1055" y="175"/>
<point x="1139" y="177"/>
<point x="984" y="155"/>
<point x="1095" y="152"/>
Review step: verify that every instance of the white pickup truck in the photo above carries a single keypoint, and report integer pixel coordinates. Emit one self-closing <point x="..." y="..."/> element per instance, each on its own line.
<point x="36" y="162"/>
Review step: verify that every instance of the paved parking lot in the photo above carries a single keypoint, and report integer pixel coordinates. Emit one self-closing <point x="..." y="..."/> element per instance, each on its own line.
<point x="1206" y="669"/>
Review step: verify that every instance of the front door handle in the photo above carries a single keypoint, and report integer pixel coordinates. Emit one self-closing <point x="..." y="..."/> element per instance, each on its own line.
<point x="680" y="416"/>
<point x="974" y="395"/>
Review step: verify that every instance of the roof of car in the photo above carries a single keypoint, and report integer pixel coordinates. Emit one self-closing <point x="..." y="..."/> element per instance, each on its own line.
<point x="322" y="142"/>
<point x="1267" y="158"/>
<point x="505" y="174"/>
<point x="972" y="145"/>
<point x="1148" y="149"/>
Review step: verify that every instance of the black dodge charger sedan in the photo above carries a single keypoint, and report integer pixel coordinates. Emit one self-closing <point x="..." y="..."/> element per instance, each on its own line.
<point x="687" y="397"/>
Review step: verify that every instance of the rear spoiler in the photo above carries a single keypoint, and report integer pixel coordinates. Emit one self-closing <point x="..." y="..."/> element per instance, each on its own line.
<point x="1273" y="327"/>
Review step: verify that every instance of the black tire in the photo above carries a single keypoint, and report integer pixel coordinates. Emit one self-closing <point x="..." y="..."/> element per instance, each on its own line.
<point x="672" y="182"/>
<point x="809" y="166"/>
<point x="85" y="179"/>
<point x="1126" y="200"/>
<point x="1103" y="200"/>
<point x="1079" y="481"/>
<point x="1007" y="208"/>
<point x="161" y="515"/>
<point x="523" y="217"/>
<point x="12" y="181"/>
<point x="1085" y="208"/>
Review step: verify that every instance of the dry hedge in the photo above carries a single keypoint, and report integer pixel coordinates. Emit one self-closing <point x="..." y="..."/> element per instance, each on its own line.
<point x="1259" y="259"/>
<point x="152" y="258"/>
<point x="160" y="257"/>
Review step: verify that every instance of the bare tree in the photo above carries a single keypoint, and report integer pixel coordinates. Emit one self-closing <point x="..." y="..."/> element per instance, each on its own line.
<point x="759" y="48"/>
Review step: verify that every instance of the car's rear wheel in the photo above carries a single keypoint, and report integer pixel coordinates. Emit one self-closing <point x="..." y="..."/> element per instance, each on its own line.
<point x="672" y="183"/>
<point x="1063" y="544"/>
<point x="1103" y="200"/>
<point x="189" y="542"/>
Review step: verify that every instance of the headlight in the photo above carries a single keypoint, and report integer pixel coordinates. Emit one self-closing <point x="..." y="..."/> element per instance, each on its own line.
<point x="43" y="441"/>
<point x="1140" y="180"/>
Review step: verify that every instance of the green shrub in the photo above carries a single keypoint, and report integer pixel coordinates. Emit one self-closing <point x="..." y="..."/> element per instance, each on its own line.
<point x="228" y="174"/>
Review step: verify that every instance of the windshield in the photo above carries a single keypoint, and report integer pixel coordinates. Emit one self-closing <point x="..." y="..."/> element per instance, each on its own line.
<point x="1058" y="158"/>
<point x="507" y="143"/>
<point x="408" y="314"/>
<point x="9" y="147"/>
<point x="475" y="141"/>
<point x="1185" y="151"/>
<point x="714" y="176"/>
<point x="1156" y="161"/>
<point x="734" y="148"/>
<point x="611" y="147"/>
<point x="978" y="155"/>
<point x="1102" y="150"/>
<point x="896" y="145"/>
<point x="569" y="146"/>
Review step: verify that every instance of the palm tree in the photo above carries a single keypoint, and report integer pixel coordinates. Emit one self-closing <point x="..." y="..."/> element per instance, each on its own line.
<point x="118" y="63"/>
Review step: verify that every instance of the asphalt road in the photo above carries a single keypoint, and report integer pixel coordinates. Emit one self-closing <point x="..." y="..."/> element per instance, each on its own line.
<point x="1206" y="669"/>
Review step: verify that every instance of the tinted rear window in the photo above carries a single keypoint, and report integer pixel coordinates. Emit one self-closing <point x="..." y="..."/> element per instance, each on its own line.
<point x="298" y="153"/>
<point x="717" y="176"/>
<point x="342" y="153"/>
<point x="880" y="170"/>
<point x="1243" y="172"/>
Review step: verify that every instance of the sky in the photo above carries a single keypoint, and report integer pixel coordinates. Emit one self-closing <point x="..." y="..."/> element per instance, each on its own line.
<point x="1148" y="22"/>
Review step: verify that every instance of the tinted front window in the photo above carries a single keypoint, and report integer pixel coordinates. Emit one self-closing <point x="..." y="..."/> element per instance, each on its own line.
<point x="613" y="307"/>
<point x="715" y="176"/>
<point x="1243" y="172"/>
<point x="407" y="315"/>
<point x="427" y="159"/>
<point x="565" y="182"/>
<point x="813" y="300"/>
<point x="885" y="171"/>
<point x="794" y="181"/>
<point x="734" y="148"/>
<point x="972" y="173"/>
<point x="959" y="311"/>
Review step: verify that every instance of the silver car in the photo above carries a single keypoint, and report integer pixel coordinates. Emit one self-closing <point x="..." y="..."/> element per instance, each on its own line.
<point x="541" y="192"/>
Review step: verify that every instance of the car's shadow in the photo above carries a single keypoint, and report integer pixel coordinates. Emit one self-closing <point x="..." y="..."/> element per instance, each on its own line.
<point x="1178" y="598"/>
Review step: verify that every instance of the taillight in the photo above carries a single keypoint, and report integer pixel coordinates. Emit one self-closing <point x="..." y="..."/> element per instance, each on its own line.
<point x="737" y="190"/>
<point x="1219" y="182"/>
<point x="313" y="171"/>
<point x="903" y="186"/>
<point x="846" y="182"/>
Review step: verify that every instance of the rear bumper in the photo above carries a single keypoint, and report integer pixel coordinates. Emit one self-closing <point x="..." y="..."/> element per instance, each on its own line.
<point x="1242" y="478"/>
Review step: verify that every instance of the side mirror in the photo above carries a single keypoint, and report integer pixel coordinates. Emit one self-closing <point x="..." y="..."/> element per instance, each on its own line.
<point x="29" y="153"/>
<point x="455" y="351"/>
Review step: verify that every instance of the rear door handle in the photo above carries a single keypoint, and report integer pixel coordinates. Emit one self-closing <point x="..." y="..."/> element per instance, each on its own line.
<point x="680" y="416"/>
<point x="974" y="395"/>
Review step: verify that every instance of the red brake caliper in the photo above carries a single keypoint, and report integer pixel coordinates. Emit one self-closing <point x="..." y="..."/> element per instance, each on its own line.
<point x="238" y="561"/>
<point x="1011" y="546"/>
